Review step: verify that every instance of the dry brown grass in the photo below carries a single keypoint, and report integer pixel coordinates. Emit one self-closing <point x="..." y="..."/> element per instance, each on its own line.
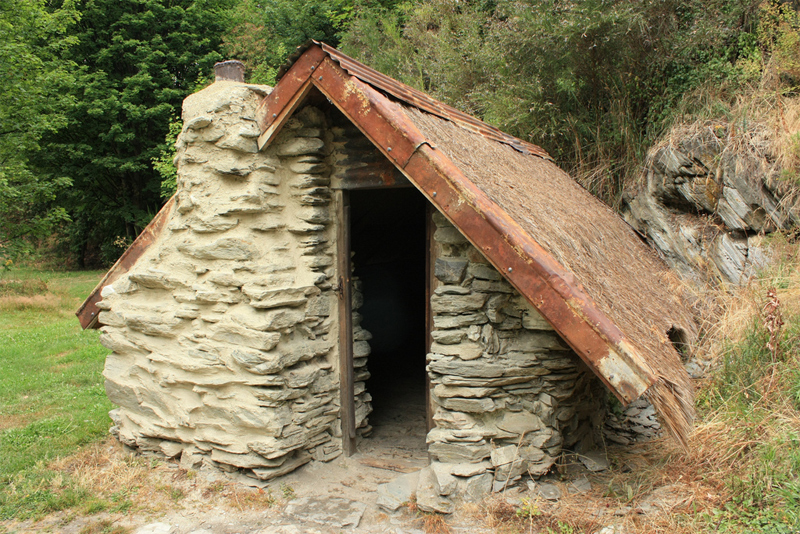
<point x="48" y="302"/>
<point x="151" y="485"/>
<point x="534" y="515"/>
<point x="435" y="524"/>
<point x="653" y="488"/>
<point x="657" y="487"/>
<point x="22" y="286"/>
<point x="104" y="526"/>
<point x="726" y="313"/>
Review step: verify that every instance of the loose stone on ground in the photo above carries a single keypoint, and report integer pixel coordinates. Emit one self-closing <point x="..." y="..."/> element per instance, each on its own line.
<point x="330" y="511"/>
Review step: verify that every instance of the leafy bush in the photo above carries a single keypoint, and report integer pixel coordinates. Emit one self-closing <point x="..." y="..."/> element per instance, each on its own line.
<point x="594" y="82"/>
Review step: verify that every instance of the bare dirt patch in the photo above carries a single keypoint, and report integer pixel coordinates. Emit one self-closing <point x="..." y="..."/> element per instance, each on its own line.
<point x="641" y="493"/>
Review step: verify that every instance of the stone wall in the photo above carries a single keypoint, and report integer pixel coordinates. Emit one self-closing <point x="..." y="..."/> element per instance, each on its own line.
<point x="224" y="334"/>
<point x="361" y="352"/>
<point x="509" y="396"/>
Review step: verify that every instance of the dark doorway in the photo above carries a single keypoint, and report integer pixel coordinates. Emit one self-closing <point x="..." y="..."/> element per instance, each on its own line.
<point x="389" y="241"/>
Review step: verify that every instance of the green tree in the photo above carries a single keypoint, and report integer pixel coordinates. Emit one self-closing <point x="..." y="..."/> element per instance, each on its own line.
<point x="592" y="81"/>
<point x="265" y="32"/>
<point x="137" y="60"/>
<point x="32" y="39"/>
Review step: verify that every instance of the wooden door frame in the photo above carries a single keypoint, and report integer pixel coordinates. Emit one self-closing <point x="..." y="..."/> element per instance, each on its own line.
<point x="344" y="287"/>
<point x="430" y="286"/>
<point x="344" y="284"/>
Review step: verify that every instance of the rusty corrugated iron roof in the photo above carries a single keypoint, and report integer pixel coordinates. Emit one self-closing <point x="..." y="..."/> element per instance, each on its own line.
<point x="414" y="97"/>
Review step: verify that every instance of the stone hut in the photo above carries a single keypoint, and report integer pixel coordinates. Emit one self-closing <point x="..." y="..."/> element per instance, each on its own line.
<point x="343" y="225"/>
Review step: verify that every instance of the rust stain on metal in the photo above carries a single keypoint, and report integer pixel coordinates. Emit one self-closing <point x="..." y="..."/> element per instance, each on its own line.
<point x="348" y="94"/>
<point x="275" y="125"/>
<point x="275" y="104"/>
<point x="87" y="313"/>
<point x="360" y="97"/>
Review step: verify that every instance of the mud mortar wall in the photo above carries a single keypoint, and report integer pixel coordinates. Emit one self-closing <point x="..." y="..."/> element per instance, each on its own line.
<point x="508" y="394"/>
<point x="224" y="334"/>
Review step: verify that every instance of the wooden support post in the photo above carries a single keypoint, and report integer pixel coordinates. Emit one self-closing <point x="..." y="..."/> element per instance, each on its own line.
<point x="345" y="286"/>
<point x="430" y="286"/>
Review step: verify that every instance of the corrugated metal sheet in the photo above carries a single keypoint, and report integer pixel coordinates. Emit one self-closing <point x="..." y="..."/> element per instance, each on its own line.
<point x="88" y="312"/>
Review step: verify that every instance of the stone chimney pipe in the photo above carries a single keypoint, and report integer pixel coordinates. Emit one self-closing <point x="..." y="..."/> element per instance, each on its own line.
<point x="231" y="70"/>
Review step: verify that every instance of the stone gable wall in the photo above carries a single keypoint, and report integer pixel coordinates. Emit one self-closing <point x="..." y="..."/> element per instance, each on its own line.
<point x="509" y="395"/>
<point x="224" y="334"/>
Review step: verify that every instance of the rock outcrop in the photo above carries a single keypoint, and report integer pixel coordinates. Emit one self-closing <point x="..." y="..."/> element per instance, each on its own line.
<point x="707" y="200"/>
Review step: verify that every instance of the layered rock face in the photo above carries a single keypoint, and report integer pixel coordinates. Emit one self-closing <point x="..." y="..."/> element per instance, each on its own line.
<point x="508" y="394"/>
<point x="707" y="202"/>
<point x="225" y="332"/>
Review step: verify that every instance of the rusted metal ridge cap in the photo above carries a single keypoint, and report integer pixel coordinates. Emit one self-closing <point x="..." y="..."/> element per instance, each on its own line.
<point x="88" y="312"/>
<point x="546" y="284"/>
<point x="414" y="97"/>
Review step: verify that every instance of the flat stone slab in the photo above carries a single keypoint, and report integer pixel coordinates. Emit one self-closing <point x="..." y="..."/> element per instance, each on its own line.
<point x="594" y="461"/>
<point x="329" y="511"/>
<point x="581" y="485"/>
<point x="545" y="490"/>
<point x="393" y="495"/>
<point x="288" y="529"/>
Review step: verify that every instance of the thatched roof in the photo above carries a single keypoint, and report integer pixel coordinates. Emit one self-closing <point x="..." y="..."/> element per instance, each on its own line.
<point x="605" y="292"/>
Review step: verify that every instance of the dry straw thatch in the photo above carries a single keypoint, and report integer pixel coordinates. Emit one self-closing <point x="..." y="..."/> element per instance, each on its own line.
<point x="625" y="279"/>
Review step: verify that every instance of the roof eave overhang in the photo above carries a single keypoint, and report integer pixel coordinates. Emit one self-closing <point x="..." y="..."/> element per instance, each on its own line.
<point x="88" y="312"/>
<point x="547" y="285"/>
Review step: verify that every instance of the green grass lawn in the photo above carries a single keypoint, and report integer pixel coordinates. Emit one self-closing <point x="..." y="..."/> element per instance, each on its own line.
<point x="52" y="399"/>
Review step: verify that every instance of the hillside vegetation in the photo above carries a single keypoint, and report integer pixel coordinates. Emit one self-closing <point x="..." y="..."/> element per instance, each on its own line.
<point x="91" y="87"/>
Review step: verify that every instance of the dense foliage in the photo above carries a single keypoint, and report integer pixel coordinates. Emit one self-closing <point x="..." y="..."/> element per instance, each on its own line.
<point x="264" y="34"/>
<point x="137" y="61"/>
<point x="31" y="41"/>
<point x="593" y="81"/>
<point x="91" y="87"/>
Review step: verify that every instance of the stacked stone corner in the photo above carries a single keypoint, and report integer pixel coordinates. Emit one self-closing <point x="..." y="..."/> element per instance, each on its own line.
<point x="224" y="333"/>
